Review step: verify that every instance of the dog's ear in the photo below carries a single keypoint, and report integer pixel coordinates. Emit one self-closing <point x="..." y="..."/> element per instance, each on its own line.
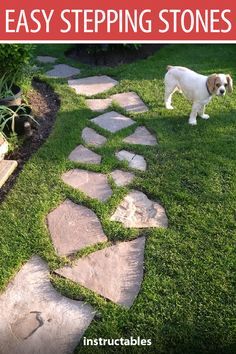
<point x="211" y="82"/>
<point x="230" y="83"/>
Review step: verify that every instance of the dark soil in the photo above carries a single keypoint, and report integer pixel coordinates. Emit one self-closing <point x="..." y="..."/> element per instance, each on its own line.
<point x="117" y="54"/>
<point x="45" y="104"/>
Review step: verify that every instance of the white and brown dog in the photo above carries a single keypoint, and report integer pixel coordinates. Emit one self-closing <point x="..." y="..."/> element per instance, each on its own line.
<point x="198" y="88"/>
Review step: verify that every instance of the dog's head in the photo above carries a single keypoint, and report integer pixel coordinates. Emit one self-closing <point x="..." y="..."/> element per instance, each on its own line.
<point x="218" y="84"/>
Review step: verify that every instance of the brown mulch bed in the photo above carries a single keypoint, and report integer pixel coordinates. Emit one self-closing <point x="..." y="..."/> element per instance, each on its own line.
<point x="45" y="104"/>
<point x="117" y="55"/>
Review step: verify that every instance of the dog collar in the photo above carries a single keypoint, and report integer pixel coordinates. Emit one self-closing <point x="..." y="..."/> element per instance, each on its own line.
<point x="210" y="94"/>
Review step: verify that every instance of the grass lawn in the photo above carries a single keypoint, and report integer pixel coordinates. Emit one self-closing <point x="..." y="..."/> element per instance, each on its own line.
<point x="186" y="301"/>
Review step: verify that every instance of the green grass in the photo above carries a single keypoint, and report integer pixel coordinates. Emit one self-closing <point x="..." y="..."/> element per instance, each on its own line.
<point x="186" y="303"/>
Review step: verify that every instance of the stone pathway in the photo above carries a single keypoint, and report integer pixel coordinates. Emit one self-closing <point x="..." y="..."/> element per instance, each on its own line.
<point x="45" y="59"/>
<point x="7" y="167"/>
<point x="35" y="318"/>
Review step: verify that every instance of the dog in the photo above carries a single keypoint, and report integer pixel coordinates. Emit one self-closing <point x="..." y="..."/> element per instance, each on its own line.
<point x="197" y="88"/>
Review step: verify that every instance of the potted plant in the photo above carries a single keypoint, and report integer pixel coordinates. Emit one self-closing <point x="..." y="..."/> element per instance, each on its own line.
<point x="10" y="93"/>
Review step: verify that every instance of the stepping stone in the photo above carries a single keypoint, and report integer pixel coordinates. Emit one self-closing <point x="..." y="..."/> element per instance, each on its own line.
<point x="141" y="136"/>
<point x="135" y="161"/>
<point x="122" y="178"/>
<point x="99" y="104"/>
<point x="3" y="147"/>
<point x="91" y="137"/>
<point x="130" y="101"/>
<point x="73" y="227"/>
<point x="93" y="184"/>
<point x="7" y="167"/>
<point x="92" y="85"/>
<point x="112" y="121"/>
<point x="62" y="71"/>
<point x="115" y="272"/>
<point x="84" y="155"/>
<point x="44" y="59"/>
<point x="137" y="211"/>
<point x="36" y="318"/>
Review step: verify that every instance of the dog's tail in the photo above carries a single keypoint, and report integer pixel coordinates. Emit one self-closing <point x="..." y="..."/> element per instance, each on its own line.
<point x="169" y="67"/>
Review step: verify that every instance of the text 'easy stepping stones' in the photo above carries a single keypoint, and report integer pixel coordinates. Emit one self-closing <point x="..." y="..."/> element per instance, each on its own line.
<point x="35" y="318"/>
<point x="62" y="71"/>
<point x="135" y="161"/>
<point x="73" y="227"/>
<point x="91" y="137"/>
<point x="130" y="101"/>
<point x="95" y="185"/>
<point x="92" y="85"/>
<point x="99" y="104"/>
<point x="122" y="178"/>
<point x="141" y="136"/>
<point x="113" y="121"/>
<point x="115" y="272"/>
<point x="84" y="155"/>
<point x="137" y="211"/>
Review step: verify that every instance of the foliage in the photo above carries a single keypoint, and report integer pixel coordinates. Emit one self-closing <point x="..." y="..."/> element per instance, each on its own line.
<point x="6" y="83"/>
<point x="98" y="48"/>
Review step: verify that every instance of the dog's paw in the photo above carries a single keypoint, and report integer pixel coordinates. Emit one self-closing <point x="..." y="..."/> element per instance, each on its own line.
<point x="205" y="116"/>
<point x="192" y="121"/>
<point x="169" y="107"/>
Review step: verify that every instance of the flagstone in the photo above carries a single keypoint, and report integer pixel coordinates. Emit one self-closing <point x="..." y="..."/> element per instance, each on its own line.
<point x="92" y="85"/>
<point x="137" y="211"/>
<point x="141" y="136"/>
<point x="93" y="184"/>
<point x="99" y="104"/>
<point x="7" y="167"/>
<point x="3" y="147"/>
<point x="122" y="178"/>
<point x="35" y="318"/>
<point x="115" y="272"/>
<point x="130" y="101"/>
<point x="91" y="137"/>
<point x="44" y="59"/>
<point x="73" y="227"/>
<point x="134" y="161"/>
<point x="84" y="155"/>
<point x="113" y="121"/>
<point x="62" y="71"/>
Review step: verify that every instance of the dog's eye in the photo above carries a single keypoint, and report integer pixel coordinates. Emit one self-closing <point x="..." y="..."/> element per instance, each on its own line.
<point x="226" y="85"/>
<point x="218" y="85"/>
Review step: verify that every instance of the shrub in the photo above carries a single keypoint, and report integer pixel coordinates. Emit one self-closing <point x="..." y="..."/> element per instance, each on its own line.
<point x="14" y="59"/>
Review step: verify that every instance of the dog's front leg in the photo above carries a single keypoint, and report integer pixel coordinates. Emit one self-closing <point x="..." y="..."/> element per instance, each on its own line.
<point x="202" y="114"/>
<point x="193" y="116"/>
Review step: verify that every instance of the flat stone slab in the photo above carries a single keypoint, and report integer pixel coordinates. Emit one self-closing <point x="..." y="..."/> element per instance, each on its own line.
<point x="3" y="147"/>
<point x="141" y="136"/>
<point x="99" y="104"/>
<point x="112" y="121"/>
<point x="84" y="155"/>
<point x="45" y="59"/>
<point x="122" y="178"/>
<point x="7" y="167"/>
<point x="93" y="184"/>
<point x="135" y="161"/>
<point x="130" y="101"/>
<point x="73" y="227"/>
<point x="115" y="272"/>
<point x="137" y="211"/>
<point x="91" y="137"/>
<point x="62" y="71"/>
<point x="92" y="85"/>
<point x="35" y="318"/>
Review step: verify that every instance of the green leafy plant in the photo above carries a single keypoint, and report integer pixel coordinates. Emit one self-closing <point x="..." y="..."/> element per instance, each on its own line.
<point x="6" y="83"/>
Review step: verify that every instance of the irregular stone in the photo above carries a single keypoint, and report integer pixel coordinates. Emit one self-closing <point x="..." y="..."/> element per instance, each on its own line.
<point x="122" y="178"/>
<point x="137" y="211"/>
<point x="141" y="136"/>
<point x="95" y="185"/>
<point x="35" y="318"/>
<point x="91" y="137"/>
<point x="73" y="227"/>
<point x="92" y="85"/>
<point x="135" y="161"/>
<point x="62" y="71"/>
<point x="3" y="147"/>
<point x="7" y="167"/>
<point x="44" y="59"/>
<point x="115" y="272"/>
<point x="112" y="121"/>
<point x="130" y="101"/>
<point x="84" y="155"/>
<point x="99" y="104"/>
